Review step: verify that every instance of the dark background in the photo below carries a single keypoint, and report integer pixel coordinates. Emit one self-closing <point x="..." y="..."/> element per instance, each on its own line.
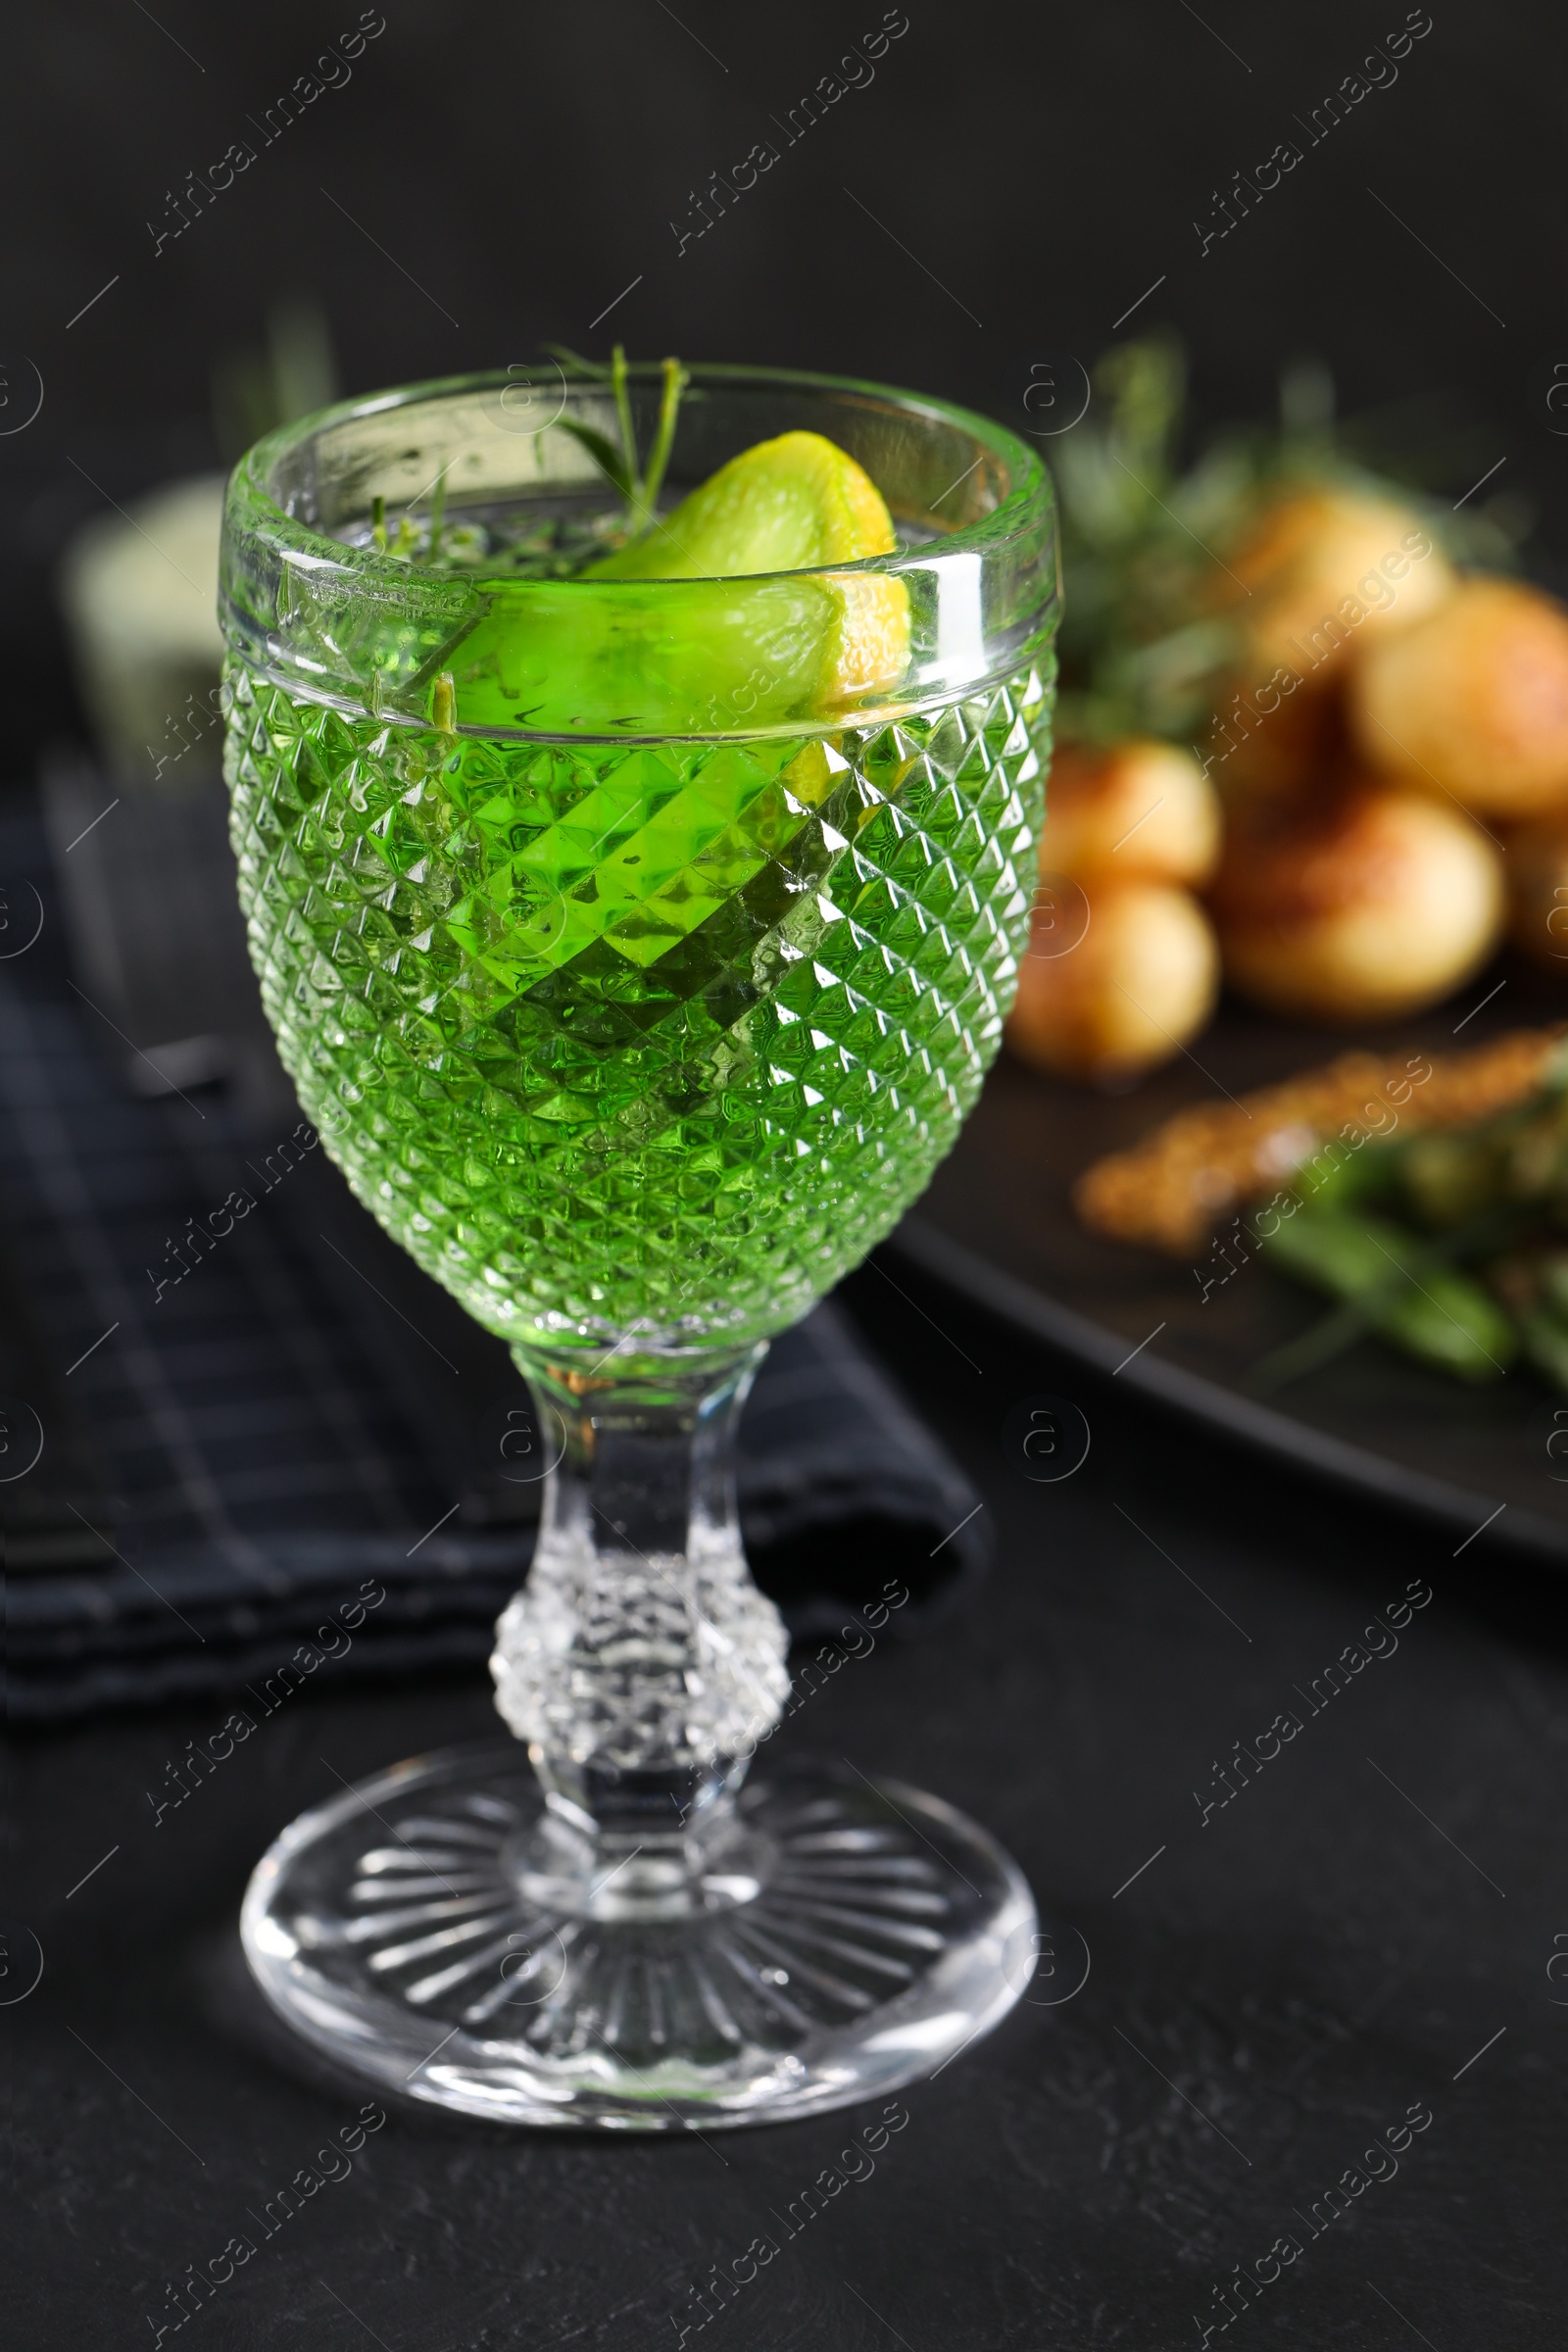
<point x="523" y="163"/>
<point x="1298" y="1974"/>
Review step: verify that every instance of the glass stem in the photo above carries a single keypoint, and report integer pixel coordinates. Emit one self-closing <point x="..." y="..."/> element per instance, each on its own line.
<point x="639" y="1662"/>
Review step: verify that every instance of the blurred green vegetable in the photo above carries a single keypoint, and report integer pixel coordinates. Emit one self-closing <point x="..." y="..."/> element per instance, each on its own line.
<point x="1448" y="1244"/>
<point x="1429" y="1309"/>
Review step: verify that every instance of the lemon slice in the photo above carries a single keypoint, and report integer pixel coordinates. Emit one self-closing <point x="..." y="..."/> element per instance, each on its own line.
<point x="794" y="504"/>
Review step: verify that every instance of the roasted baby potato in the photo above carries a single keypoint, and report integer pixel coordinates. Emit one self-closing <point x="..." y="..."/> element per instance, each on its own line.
<point x="1140" y="810"/>
<point x="1329" y="568"/>
<point x="1472" y="701"/>
<point x="1140" y="981"/>
<point x="1375" y="904"/>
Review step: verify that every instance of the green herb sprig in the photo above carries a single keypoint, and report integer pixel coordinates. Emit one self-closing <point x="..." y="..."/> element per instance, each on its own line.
<point x="638" y="484"/>
<point x="558" y="547"/>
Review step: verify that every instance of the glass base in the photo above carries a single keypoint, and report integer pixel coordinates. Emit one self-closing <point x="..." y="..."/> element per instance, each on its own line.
<point x="441" y="1931"/>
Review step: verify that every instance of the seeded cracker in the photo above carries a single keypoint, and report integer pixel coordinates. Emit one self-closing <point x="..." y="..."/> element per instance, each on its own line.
<point x="1169" y="1190"/>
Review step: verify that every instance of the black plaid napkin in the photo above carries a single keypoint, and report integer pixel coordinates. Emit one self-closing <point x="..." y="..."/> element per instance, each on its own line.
<point x="291" y="1447"/>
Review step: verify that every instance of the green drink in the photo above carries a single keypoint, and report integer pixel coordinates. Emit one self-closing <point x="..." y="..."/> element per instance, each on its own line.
<point x="656" y="1039"/>
<point x="637" y="902"/>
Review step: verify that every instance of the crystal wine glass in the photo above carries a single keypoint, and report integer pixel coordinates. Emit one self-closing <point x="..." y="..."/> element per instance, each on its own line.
<point x="638" y="948"/>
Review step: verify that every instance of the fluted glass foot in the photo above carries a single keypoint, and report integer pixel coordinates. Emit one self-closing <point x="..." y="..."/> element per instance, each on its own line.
<point x="444" y="1931"/>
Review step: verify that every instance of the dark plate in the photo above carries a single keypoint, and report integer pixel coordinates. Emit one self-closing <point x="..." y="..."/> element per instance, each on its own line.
<point x="998" y="1225"/>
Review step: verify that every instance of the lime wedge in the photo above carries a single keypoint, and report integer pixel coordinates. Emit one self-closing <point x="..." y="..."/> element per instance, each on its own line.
<point x="790" y="505"/>
<point x="784" y="506"/>
<point x="621" y="648"/>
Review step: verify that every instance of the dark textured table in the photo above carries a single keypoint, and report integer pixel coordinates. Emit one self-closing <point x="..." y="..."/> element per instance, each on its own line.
<point x="1321" y="2047"/>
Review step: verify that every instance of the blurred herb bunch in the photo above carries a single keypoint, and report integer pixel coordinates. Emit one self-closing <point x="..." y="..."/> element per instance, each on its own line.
<point x="1154" y="616"/>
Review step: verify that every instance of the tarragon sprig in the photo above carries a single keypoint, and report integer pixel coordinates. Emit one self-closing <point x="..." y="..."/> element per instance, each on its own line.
<point x="637" y="484"/>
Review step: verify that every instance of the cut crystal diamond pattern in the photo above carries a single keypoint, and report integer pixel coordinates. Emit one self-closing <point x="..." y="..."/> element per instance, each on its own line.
<point x="834" y="1941"/>
<point x="856" y="1911"/>
<point x="628" y="1038"/>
